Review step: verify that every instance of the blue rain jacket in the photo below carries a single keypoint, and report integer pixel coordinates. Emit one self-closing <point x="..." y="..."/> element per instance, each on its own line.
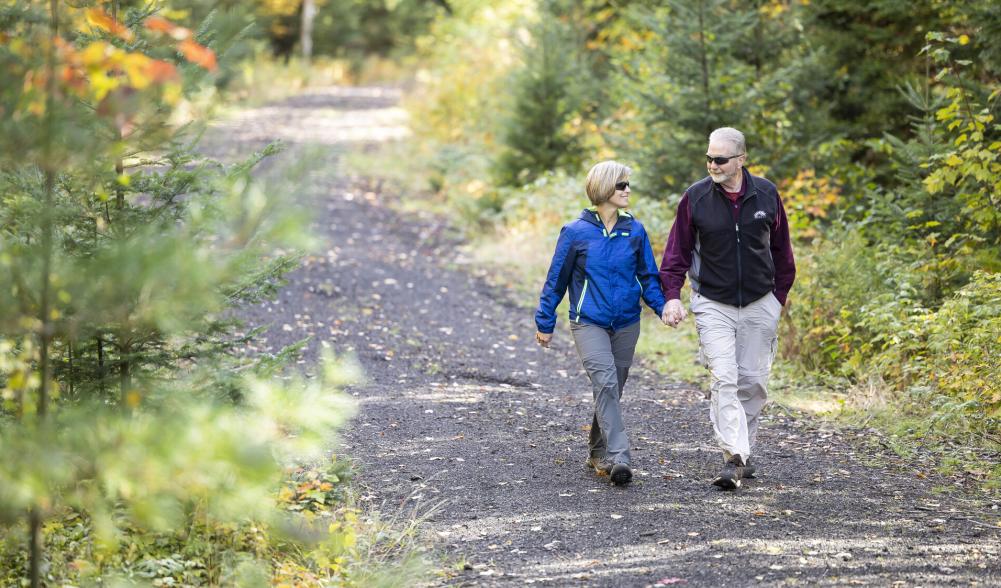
<point x="607" y="274"/>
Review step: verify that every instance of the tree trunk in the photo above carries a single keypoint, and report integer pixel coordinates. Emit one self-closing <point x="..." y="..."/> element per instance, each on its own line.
<point x="35" y="547"/>
<point x="72" y="371"/>
<point x="705" y="69"/>
<point x="125" y="375"/>
<point x="45" y="313"/>
<point x="306" y="38"/>
<point x="119" y="163"/>
<point x="100" y="364"/>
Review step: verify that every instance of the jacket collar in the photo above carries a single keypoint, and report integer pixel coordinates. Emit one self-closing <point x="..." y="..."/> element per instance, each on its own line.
<point x="591" y="215"/>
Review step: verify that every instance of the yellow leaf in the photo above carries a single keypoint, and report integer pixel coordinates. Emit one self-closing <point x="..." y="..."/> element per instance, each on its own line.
<point x="100" y="19"/>
<point x="101" y="84"/>
<point x="172" y="93"/>
<point x="964" y="39"/>
<point x="137" y="68"/>
<point x="94" y="54"/>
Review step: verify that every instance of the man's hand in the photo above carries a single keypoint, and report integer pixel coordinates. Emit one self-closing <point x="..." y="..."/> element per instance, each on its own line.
<point x="543" y="339"/>
<point x="674" y="313"/>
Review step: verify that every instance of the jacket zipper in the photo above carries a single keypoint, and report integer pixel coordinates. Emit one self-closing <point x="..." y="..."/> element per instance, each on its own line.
<point x="580" y="302"/>
<point x="607" y="235"/>
<point x="740" y="280"/>
<point x="740" y="277"/>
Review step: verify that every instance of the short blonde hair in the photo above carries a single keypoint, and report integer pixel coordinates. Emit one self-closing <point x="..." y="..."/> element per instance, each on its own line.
<point x="601" y="180"/>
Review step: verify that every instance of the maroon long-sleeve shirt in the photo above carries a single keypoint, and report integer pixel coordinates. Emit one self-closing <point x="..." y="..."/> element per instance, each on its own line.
<point x="680" y="243"/>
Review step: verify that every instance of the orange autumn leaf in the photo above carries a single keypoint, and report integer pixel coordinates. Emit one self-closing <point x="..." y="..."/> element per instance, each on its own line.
<point x="74" y="79"/>
<point x="162" y="25"/>
<point x="100" y="19"/>
<point x="161" y="71"/>
<point x="198" y="54"/>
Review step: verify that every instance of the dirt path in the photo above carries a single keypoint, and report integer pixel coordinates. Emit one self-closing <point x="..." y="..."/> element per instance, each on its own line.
<point x="463" y="413"/>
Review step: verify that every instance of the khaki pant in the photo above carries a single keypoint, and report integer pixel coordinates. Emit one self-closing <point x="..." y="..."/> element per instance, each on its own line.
<point x="606" y="356"/>
<point x="738" y="346"/>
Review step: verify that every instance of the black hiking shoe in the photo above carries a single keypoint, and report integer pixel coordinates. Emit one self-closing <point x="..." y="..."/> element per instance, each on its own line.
<point x="621" y="474"/>
<point x="600" y="465"/>
<point x="733" y="471"/>
<point x="748" y="470"/>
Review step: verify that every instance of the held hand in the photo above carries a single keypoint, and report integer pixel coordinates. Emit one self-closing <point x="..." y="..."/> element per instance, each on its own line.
<point x="543" y="339"/>
<point x="674" y="312"/>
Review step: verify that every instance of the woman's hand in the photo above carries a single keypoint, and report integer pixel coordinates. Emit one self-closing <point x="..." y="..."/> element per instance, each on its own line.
<point x="543" y="339"/>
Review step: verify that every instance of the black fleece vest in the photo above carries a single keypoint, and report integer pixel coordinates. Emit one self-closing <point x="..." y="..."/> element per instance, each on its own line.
<point x="732" y="262"/>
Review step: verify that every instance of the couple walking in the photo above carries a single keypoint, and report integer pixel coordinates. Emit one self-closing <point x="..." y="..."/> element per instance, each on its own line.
<point x="731" y="238"/>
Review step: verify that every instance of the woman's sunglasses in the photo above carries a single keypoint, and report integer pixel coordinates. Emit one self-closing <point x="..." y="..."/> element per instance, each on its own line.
<point x="621" y="185"/>
<point x="721" y="160"/>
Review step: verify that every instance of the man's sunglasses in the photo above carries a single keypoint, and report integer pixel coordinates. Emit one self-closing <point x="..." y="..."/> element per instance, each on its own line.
<point x="621" y="185"/>
<point x="721" y="160"/>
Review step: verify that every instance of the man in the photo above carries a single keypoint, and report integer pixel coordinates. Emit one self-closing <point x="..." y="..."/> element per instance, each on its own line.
<point x="732" y="239"/>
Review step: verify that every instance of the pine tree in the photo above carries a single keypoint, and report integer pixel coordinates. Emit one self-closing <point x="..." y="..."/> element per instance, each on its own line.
<point x="544" y="97"/>
<point x="122" y="252"/>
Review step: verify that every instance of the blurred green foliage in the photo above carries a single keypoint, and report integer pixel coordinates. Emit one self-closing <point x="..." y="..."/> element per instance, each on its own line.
<point x="142" y="442"/>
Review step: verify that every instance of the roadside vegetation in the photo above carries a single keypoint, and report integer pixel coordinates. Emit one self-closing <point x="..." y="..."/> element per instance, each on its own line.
<point x="142" y="444"/>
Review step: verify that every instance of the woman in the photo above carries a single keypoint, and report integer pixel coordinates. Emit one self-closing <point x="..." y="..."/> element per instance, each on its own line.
<point x="604" y="258"/>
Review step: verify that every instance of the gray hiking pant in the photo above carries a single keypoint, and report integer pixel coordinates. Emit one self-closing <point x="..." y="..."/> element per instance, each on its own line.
<point x="738" y="346"/>
<point x="607" y="355"/>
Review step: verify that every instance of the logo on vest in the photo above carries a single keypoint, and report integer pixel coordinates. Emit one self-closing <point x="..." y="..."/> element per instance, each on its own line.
<point x="760" y="215"/>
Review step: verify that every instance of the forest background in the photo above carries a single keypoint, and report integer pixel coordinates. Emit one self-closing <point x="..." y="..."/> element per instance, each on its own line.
<point x="877" y="120"/>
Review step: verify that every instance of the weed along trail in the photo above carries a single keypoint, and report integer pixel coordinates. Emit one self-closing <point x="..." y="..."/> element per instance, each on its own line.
<point x="464" y="421"/>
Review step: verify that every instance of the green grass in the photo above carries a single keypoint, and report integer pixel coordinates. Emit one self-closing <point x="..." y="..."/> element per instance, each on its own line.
<point x="672" y="352"/>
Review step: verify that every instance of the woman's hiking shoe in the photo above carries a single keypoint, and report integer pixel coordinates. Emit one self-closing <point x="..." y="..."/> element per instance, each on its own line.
<point x="621" y="474"/>
<point x="733" y="471"/>
<point x="748" y="470"/>
<point x="600" y="465"/>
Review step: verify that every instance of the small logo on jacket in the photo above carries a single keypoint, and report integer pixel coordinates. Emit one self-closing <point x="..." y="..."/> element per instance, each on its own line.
<point x="760" y="214"/>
